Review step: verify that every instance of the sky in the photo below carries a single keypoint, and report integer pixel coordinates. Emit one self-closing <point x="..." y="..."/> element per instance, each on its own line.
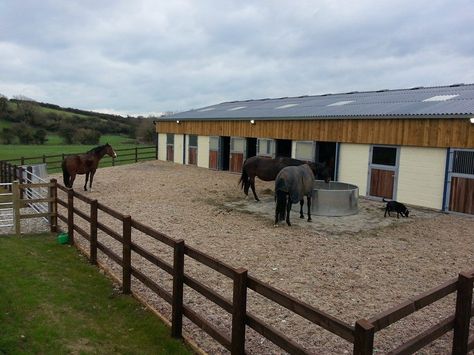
<point x="146" y="57"/>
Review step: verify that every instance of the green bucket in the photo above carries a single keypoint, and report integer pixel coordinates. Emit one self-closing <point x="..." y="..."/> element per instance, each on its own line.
<point x="63" y="238"/>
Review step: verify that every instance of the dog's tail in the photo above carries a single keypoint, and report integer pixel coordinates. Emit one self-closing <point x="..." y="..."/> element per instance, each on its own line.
<point x="384" y="200"/>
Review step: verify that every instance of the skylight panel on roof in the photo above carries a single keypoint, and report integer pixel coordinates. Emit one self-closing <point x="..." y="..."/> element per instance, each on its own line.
<point x="236" y="108"/>
<point x="341" y="103"/>
<point x="285" y="106"/>
<point x="440" y="98"/>
<point x="207" y="109"/>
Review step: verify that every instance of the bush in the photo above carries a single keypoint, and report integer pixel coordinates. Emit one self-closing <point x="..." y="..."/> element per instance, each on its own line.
<point x="87" y="136"/>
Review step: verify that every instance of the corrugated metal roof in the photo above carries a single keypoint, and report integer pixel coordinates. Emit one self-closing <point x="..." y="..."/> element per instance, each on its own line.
<point x="445" y="101"/>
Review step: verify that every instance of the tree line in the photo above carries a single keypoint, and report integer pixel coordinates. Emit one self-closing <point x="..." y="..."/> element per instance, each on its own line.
<point x="31" y="122"/>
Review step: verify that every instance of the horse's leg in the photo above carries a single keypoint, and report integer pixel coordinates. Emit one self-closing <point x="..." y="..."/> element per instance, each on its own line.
<point x="92" y="178"/>
<point x="85" y="184"/>
<point x="277" y="214"/>
<point x="71" y="180"/>
<point x="301" y="208"/>
<point x="252" y="185"/>
<point x="308" y="199"/>
<point x="288" y="209"/>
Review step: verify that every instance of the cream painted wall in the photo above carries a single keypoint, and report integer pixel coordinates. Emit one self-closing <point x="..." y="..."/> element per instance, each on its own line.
<point x="162" y="146"/>
<point x="203" y="151"/>
<point x="354" y="165"/>
<point x="293" y="149"/>
<point x="178" y="148"/>
<point x="421" y="176"/>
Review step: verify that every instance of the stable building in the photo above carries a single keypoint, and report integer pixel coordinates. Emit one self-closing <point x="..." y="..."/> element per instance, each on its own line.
<point x="413" y="145"/>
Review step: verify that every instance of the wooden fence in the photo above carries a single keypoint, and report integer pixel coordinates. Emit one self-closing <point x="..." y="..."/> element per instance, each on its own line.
<point x="361" y="335"/>
<point x="124" y="156"/>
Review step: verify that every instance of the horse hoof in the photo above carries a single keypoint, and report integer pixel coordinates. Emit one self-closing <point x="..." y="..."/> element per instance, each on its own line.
<point x="301" y="217"/>
<point x="310" y="220"/>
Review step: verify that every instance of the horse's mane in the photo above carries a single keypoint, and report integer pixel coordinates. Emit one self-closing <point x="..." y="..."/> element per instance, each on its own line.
<point x="96" y="149"/>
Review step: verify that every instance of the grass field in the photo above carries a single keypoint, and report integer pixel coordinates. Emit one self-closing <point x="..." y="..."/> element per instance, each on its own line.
<point x="54" y="146"/>
<point x="53" y="302"/>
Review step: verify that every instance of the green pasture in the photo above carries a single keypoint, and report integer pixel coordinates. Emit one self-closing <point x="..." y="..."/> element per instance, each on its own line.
<point x="52" y="301"/>
<point x="55" y="146"/>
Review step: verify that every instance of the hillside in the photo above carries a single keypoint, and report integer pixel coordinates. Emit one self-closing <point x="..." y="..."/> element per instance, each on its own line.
<point x="27" y="122"/>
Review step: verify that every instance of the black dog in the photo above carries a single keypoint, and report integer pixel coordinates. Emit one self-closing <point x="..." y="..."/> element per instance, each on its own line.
<point x="394" y="206"/>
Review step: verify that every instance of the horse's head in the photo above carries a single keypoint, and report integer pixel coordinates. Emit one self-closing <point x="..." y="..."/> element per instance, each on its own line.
<point x="110" y="151"/>
<point x="321" y="171"/>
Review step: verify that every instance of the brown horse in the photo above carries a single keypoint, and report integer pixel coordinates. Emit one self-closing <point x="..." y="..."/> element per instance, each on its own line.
<point x="267" y="169"/>
<point x="85" y="164"/>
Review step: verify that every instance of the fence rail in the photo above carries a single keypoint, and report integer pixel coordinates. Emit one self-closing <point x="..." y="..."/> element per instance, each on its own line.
<point x="361" y="335"/>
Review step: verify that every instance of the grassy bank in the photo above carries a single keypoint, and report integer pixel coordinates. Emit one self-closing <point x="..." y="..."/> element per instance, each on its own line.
<point x="53" y="301"/>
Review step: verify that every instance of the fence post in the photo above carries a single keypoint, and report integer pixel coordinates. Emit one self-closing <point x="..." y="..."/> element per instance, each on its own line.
<point x="70" y="215"/>
<point x="53" y="205"/>
<point x="93" y="233"/>
<point x="178" y="282"/>
<point x="16" y="207"/>
<point x="136" y="154"/>
<point x="127" y="254"/>
<point x="15" y="172"/>
<point x="21" y="179"/>
<point x="10" y="180"/>
<point x="463" y="313"/>
<point x="363" y="337"/>
<point x="239" y="311"/>
<point x="113" y="161"/>
<point x="44" y="158"/>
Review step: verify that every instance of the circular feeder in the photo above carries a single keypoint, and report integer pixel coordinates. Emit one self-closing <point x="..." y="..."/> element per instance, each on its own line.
<point x="334" y="199"/>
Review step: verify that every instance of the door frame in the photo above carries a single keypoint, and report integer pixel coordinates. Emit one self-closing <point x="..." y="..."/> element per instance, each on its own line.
<point x="395" y="170"/>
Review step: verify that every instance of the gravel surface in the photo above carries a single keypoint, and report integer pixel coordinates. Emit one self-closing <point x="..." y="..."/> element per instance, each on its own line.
<point x="350" y="267"/>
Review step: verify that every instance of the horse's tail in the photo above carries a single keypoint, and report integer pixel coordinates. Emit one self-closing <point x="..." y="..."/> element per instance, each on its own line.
<point x="280" y="198"/>
<point x="244" y="179"/>
<point x="66" y="175"/>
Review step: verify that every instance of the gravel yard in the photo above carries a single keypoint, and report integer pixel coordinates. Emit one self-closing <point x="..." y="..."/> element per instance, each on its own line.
<point x="350" y="267"/>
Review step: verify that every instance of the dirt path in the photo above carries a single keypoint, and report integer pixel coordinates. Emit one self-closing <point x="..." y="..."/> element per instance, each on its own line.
<point x="351" y="267"/>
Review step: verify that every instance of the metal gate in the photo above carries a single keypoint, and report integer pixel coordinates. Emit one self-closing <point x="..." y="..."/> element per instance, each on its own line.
<point x="460" y="181"/>
<point x="6" y="205"/>
<point x="35" y="174"/>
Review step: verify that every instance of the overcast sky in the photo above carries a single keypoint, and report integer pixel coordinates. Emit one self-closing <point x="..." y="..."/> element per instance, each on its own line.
<point x="145" y="56"/>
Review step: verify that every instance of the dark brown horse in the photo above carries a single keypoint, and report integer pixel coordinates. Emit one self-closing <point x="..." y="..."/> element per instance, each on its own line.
<point x="85" y="164"/>
<point x="267" y="169"/>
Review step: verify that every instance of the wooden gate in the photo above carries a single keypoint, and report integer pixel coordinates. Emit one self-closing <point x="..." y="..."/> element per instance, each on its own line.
<point x="461" y="179"/>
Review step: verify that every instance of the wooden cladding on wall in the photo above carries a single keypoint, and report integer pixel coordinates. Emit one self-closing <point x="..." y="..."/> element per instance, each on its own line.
<point x="457" y="133"/>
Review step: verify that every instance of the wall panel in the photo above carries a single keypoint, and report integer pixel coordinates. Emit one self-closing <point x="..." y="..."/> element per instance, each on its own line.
<point x="458" y="133"/>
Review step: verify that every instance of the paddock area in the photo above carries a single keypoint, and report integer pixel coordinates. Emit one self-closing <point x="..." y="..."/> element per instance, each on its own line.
<point x="351" y="267"/>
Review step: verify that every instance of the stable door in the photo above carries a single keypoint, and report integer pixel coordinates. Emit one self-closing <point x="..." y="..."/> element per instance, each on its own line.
<point x="383" y="171"/>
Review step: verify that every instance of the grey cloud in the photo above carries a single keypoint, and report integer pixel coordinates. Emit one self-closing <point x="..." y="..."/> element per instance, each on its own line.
<point x="151" y="56"/>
